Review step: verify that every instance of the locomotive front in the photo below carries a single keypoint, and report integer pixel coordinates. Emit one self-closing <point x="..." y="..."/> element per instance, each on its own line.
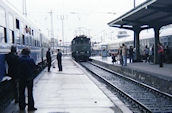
<point x="81" y="48"/>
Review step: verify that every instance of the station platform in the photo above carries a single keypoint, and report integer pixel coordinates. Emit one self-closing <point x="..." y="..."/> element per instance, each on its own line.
<point x="151" y="74"/>
<point x="69" y="91"/>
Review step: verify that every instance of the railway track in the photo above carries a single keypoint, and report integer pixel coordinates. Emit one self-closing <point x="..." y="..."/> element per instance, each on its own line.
<point x="147" y="99"/>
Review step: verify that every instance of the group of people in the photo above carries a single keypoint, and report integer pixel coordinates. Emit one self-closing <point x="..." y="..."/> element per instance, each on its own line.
<point x="21" y="68"/>
<point x="163" y="54"/>
<point x="49" y="59"/>
<point x="148" y="54"/>
<point x="122" y="55"/>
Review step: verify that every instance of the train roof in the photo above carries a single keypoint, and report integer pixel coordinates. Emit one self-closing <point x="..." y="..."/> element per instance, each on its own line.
<point x="81" y="36"/>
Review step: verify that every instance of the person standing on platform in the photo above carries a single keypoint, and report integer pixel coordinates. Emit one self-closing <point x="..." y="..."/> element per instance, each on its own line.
<point x="48" y="56"/>
<point x="26" y="71"/>
<point x="120" y="55"/>
<point x="124" y="54"/>
<point x="131" y="54"/>
<point x="113" y="57"/>
<point x="146" y="53"/>
<point x="160" y="53"/>
<point x="12" y="61"/>
<point x="59" y="59"/>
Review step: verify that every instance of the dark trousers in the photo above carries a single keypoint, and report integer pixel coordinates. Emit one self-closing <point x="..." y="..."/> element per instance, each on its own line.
<point x="131" y="58"/>
<point x="160" y="60"/>
<point x="49" y="66"/>
<point x="59" y="65"/>
<point x="23" y="84"/>
<point x="15" y="90"/>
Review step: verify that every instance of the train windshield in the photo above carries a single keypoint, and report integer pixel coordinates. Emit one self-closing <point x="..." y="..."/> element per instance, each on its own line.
<point x="83" y="42"/>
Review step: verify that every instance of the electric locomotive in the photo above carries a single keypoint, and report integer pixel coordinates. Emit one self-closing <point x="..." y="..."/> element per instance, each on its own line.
<point x="81" y="48"/>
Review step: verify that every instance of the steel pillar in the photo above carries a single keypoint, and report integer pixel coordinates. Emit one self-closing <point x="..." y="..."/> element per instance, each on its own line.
<point x="156" y="30"/>
<point x="137" y="42"/>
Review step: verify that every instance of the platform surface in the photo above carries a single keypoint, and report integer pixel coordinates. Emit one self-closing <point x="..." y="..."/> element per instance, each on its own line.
<point x="165" y="71"/>
<point x="69" y="91"/>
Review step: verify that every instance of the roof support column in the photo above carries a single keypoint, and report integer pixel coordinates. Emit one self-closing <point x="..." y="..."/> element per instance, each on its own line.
<point x="156" y="30"/>
<point x="137" y="41"/>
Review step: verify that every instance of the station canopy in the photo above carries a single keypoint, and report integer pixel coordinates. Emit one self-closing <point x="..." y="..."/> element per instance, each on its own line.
<point x="147" y="15"/>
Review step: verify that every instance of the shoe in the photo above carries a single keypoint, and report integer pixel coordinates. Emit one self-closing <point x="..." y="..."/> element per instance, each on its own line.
<point x="32" y="109"/>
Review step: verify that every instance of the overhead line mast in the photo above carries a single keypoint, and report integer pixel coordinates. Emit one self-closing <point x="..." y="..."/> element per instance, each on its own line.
<point x="52" y="27"/>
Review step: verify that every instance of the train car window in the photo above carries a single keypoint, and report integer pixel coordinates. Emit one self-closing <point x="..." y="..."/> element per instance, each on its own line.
<point x="5" y="35"/>
<point x="23" y="39"/>
<point x="17" y="24"/>
<point x="2" y="36"/>
<point x="2" y="19"/>
<point x="13" y="39"/>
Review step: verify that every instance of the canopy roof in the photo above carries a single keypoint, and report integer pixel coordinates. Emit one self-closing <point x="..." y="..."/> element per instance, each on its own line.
<point x="147" y="15"/>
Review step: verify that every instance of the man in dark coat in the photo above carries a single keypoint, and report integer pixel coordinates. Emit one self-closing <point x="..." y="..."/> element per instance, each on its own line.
<point x="12" y="61"/>
<point x="131" y="54"/>
<point x="160" y="53"/>
<point x="48" y="56"/>
<point x="59" y="59"/>
<point x="26" y="70"/>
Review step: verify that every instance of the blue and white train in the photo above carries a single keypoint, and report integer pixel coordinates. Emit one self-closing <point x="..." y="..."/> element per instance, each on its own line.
<point x="16" y="29"/>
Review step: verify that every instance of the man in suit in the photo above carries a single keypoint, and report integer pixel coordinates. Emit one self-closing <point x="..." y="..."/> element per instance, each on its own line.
<point x="48" y="56"/>
<point x="59" y="59"/>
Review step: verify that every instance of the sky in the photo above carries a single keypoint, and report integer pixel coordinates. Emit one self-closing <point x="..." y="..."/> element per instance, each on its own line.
<point x="89" y="17"/>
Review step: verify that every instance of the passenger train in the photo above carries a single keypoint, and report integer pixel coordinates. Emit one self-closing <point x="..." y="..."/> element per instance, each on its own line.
<point x="81" y="48"/>
<point x="146" y="38"/>
<point x="16" y="29"/>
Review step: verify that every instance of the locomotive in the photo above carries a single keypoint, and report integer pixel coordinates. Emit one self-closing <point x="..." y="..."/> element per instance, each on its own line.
<point x="17" y="30"/>
<point x="81" y="48"/>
